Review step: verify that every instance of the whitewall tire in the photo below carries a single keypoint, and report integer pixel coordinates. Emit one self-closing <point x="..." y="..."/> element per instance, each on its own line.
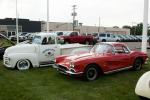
<point x="23" y="64"/>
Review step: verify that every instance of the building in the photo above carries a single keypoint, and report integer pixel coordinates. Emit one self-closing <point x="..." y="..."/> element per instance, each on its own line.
<point x="59" y="26"/>
<point x="8" y="26"/>
<point x="9" y="30"/>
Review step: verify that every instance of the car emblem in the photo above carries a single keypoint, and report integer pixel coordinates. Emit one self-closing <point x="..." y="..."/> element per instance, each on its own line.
<point x="49" y="52"/>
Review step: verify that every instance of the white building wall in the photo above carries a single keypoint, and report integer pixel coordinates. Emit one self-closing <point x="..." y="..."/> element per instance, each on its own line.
<point x="59" y="26"/>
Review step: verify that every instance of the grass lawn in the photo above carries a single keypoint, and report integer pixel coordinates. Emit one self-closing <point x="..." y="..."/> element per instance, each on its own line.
<point x="47" y="84"/>
<point x="5" y="43"/>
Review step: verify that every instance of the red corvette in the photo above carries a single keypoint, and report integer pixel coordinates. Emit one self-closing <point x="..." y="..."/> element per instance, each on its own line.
<point x="102" y="59"/>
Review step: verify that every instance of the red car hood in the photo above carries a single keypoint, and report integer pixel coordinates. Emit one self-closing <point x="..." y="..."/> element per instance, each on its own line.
<point x="80" y="56"/>
<point x="66" y="60"/>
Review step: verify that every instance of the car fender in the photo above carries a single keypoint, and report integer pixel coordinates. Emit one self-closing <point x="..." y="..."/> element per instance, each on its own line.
<point x="135" y="55"/>
<point x="143" y="85"/>
<point x="32" y="57"/>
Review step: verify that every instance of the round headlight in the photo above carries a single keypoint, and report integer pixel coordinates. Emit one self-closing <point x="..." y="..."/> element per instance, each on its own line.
<point x="71" y="64"/>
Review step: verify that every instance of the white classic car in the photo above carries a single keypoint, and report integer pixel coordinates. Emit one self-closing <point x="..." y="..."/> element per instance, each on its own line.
<point x="143" y="86"/>
<point x="41" y="52"/>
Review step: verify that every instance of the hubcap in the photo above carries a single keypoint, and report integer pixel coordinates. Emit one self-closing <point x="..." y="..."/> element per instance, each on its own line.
<point x="138" y="64"/>
<point x="91" y="73"/>
<point x="23" y="64"/>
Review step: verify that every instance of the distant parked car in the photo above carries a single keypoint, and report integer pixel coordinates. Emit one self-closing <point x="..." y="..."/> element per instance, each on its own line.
<point x="14" y="38"/>
<point x="22" y="37"/>
<point x="76" y="37"/>
<point x="108" y="37"/>
<point x="142" y="88"/>
<point x="103" y="58"/>
<point x="58" y="33"/>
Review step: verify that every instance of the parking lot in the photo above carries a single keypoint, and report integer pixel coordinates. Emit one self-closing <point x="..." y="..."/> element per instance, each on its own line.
<point x="136" y="46"/>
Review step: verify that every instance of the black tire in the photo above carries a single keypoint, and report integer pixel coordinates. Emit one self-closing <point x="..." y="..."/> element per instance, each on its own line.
<point x="137" y="65"/>
<point x="91" y="73"/>
<point x="87" y="42"/>
<point x="103" y="40"/>
<point x="66" y="42"/>
<point x="143" y="98"/>
<point x="94" y="41"/>
<point x="117" y="41"/>
<point x="23" y="64"/>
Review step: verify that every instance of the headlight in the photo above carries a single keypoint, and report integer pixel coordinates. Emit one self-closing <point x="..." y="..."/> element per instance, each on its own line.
<point x="71" y="64"/>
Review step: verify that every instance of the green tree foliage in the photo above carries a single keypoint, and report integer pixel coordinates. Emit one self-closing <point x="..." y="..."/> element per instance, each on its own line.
<point x="115" y="26"/>
<point x="127" y="27"/>
<point x="136" y="30"/>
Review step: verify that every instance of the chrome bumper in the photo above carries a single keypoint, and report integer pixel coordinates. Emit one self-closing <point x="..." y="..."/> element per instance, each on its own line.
<point x="63" y="70"/>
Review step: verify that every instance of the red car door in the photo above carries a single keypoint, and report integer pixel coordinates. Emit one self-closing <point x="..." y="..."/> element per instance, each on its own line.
<point x="74" y="37"/>
<point x="123" y="60"/>
<point x="116" y="61"/>
<point x="119" y="59"/>
<point x="122" y="56"/>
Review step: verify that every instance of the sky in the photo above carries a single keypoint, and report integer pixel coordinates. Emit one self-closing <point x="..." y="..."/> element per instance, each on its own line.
<point x="111" y="12"/>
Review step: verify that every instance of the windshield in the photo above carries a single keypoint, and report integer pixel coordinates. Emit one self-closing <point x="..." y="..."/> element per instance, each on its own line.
<point x="102" y="48"/>
<point x="67" y="33"/>
<point x="36" y="40"/>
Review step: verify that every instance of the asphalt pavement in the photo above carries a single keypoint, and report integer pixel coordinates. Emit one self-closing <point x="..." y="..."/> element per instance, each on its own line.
<point x="137" y="46"/>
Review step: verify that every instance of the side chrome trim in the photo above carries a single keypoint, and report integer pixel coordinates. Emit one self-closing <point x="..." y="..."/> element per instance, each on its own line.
<point x="117" y="70"/>
<point x="47" y="65"/>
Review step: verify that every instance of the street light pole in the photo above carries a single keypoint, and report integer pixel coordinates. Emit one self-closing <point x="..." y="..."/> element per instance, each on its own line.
<point x="74" y="14"/>
<point x="99" y="25"/>
<point x="47" y="16"/>
<point x="17" y="21"/>
<point x="145" y="27"/>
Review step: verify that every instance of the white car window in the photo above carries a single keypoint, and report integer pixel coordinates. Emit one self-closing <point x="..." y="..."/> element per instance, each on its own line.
<point x="37" y="40"/>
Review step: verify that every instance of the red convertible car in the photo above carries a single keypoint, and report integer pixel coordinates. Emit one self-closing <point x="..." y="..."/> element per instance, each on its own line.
<point x="103" y="58"/>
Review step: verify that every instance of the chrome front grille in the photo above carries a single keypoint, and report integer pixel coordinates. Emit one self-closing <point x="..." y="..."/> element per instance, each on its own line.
<point x="6" y="60"/>
<point x="62" y="67"/>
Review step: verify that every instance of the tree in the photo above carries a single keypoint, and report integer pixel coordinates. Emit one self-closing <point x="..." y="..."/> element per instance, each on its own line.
<point x="126" y="27"/>
<point x="115" y="27"/>
<point x="137" y="29"/>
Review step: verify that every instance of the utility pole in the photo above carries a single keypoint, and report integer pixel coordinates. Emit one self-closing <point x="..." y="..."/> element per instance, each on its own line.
<point x="145" y="27"/>
<point x="74" y="14"/>
<point x="17" y="21"/>
<point x="99" y="25"/>
<point x="47" y="16"/>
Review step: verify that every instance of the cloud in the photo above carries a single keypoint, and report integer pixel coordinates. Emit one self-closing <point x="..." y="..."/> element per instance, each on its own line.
<point x="112" y="12"/>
